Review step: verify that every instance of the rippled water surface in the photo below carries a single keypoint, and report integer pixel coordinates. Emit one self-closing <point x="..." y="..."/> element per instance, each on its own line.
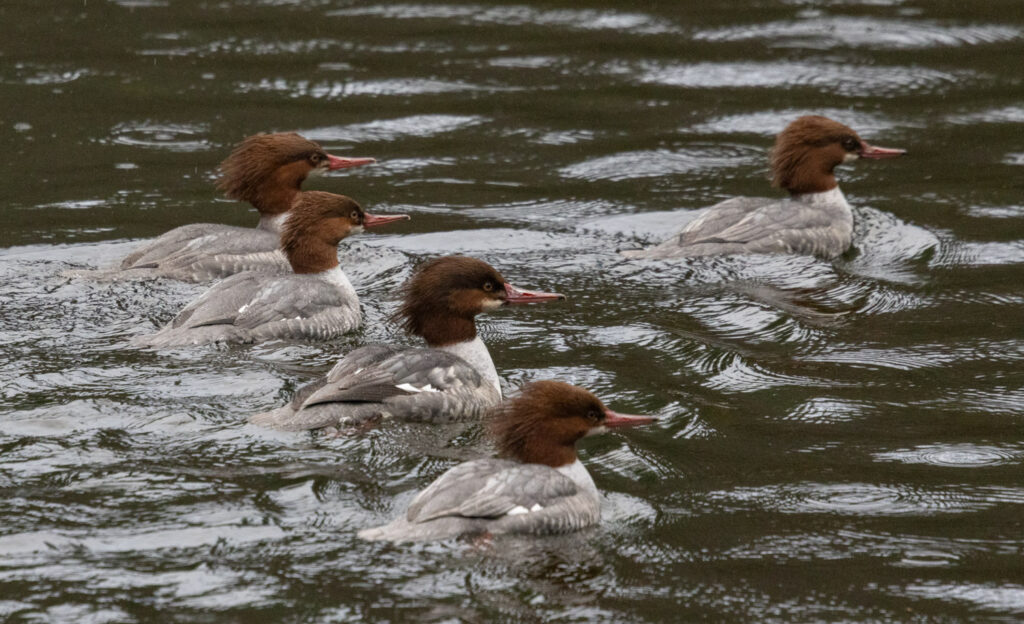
<point x="838" y="440"/>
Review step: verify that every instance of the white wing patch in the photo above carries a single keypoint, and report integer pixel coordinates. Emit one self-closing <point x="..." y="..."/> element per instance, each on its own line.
<point x="519" y="509"/>
<point x="408" y="387"/>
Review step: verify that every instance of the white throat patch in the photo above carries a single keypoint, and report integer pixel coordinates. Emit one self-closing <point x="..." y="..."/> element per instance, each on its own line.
<point x="491" y="304"/>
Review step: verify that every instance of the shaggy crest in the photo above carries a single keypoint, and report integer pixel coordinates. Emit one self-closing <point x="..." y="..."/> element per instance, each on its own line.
<point x="256" y="161"/>
<point x="807" y="151"/>
<point x="543" y="423"/>
<point x="444" y="295"/>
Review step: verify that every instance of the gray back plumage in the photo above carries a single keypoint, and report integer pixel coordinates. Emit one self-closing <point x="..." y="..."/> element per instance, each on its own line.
<point x="759" y="225"/>
<point x="384" y="381"/>
<point x="255" y="306"/>
<point x="182" y="252"/>
<point x="498" y="496"/>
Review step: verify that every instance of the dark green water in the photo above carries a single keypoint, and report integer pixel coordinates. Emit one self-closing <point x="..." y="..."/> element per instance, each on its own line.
<point x="838" y="441"/>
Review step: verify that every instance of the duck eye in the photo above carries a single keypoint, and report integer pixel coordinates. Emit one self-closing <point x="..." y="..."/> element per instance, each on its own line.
<point x="850" y="144"/>
<point x="488" y="286"/>
<point x="355" y="215"/>
<point x="593" y="415"/>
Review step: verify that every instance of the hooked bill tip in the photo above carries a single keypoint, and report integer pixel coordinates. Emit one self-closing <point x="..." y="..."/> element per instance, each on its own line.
<point x="517" y="295"/>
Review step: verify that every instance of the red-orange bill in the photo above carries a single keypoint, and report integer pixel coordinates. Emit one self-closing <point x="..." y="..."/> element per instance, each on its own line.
<point x="517" y="295"/>
<point x="372" y="220"/>
<point x="337" y="162"/>
<point x="872" y="151"/>
<point x="615" y="419"/>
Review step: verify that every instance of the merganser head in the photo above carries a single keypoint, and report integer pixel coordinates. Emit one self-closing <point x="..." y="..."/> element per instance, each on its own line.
<point x="445" y="294"/>
<point x="810" y="148"/>
<point x="543" y="423"/>
<point x="267" y="170"/>
<point x="317" y="223"/>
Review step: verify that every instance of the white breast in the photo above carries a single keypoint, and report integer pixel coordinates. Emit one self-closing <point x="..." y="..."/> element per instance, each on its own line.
<point x="579" y="475"/>
<point x="337" y="279"/>
<point x="476" y="355"/>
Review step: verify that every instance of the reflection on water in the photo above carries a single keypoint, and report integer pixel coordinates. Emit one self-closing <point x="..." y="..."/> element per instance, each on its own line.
<point x="837" y="440"/>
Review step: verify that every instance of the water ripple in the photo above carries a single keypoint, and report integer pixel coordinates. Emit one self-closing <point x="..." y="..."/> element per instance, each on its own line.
<point x="954" y="455"/>
<point x="527" y="62"/>
<point x="825" y="33"/>
<point x="826" y="410"/>
<point x="140" y="4"/>
<point x="173" y="137"/>
<point x="887" y="245"/>
<point x="1004" y="115"/>
<point x="900" y="358"/>
<point x="559" y="212"/>
<point x="395" y="129"/>
<point x="740" y="376"/>
<point x="860" y="499"/>
<point x="955" y="253"/>
<point x="333" y="89"/>
<point x="831" y="78"/>
<point x="658" y="163"/>
<point x="1000" y="598"/>
<point x="481" y="241"/>
<point x="996" y="212"/>
<point x="517" y="16"/>
<point x="770" y="123"/>
<point x="906" y="550"/>
<point x="38" y="74"/>
<point x="1008" y="401"/>
<point x="237" y="46"/>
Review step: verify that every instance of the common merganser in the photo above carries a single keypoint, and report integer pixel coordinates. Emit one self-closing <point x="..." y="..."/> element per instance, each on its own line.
<point x="315" y="302"/>
<point x="266" y="170"/>
<point x="453" y="379"/>
<point x="815" y="220"/>
<point x="537" y="485"/>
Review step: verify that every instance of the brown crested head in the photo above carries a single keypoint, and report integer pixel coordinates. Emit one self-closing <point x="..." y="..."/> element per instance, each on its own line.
<point x="811" y="147"/>
<point x="543" y="423"/>
<point x="444" y="295"/>
<point x="317" y="223"/>
<point x="267" y="170"/>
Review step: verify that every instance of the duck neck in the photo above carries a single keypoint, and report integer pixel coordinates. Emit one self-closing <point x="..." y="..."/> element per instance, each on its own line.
<point x="833" y="197"/>
<point x="440" y="328"/>
<point x="312" y="255"/>
<point x="475" y="353"/>
<point x="275" y="199"/>
<point x="273" y="223"/>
